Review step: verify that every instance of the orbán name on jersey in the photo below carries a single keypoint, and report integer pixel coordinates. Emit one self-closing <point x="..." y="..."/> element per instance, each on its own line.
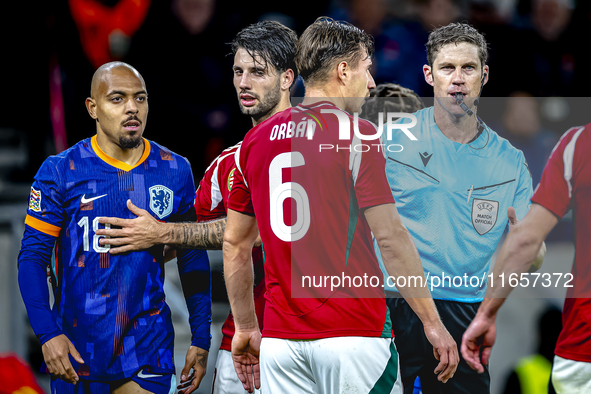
<point x="308" y="204"/>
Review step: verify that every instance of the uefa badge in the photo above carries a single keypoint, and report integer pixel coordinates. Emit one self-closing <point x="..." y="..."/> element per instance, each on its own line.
<point x="161" y="200"/>
<point x="35" y="200"/>
<point x="484" y="215"/>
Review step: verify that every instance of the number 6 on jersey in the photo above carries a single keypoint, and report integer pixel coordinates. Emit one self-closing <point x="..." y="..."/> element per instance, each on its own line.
<point x="279" y="192"/>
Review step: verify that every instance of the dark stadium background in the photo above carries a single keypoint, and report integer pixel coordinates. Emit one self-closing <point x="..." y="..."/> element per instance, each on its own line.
<point x="538" y="52"/>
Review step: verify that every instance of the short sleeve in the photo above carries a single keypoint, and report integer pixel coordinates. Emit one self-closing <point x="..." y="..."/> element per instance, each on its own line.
<point x="202" y="199"/>
<point x="214" y="189"/>
<point x="227" y="179"/>
<point x="45" y="211"/>
<point x="368" y="170"/>
<point x="524" y="193"/>
<point x="240" y="199"/>
<point x="555" y="189"/>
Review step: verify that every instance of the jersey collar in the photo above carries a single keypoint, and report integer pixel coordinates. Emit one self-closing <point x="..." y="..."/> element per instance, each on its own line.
<point x="481" y="139"/>
<point x="117" y="163"/>
<point x="316" y="106"/>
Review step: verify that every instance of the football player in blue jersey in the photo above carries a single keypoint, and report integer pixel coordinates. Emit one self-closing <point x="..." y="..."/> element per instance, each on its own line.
<point x="110" y="329"/>
<point x="458" y="188"/>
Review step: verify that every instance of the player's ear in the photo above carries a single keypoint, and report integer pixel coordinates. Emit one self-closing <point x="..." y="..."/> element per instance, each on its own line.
<point x="342" y="71"/>
<point x="427" y="71"/>
<point x="287" y="79"/>
<point x="91" y="107"/>
<point x="485" y="75"/>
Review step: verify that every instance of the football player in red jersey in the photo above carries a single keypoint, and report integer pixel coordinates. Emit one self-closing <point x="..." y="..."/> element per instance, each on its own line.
<point x="16" y="376"/>
<point x="565" y="184"/>
<point x="318" y="339"/>
<point x="264" y="70"/>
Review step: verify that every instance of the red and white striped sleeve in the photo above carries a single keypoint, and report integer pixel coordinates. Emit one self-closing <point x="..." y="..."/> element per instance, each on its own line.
<point x="555" y="190"/>
<point x="212" y="194"/>
<point x="240" y="198"/>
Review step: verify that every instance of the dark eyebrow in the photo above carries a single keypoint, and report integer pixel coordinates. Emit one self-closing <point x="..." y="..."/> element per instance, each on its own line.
<point x="113" y="92"/>
<point x="121" y="93"/>
<point x="251" y="69"/>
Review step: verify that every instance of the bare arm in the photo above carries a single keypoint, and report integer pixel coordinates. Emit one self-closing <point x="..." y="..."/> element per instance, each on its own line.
<point x="401" y="258"/>
<point x="202" y="235"/>
<point x="239" y="238"/>
<point x="144" y="232"/>
<point x="522" y="246"/>
<point x="240" y="235"/>
<point x="539" y="260"/>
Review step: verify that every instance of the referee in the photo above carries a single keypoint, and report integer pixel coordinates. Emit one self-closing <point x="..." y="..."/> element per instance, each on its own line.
<point x="458" y="188"/>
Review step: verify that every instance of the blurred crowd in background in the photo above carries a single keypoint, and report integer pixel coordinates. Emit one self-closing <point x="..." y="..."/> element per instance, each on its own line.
<point x="180" y="47"/>
<point x="536" y="90"/>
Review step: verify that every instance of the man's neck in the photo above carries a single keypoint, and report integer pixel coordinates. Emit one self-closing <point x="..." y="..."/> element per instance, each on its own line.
<point x="127" y="156"/>
<point x="457" y="128"/>
<point x="314" y="95"/>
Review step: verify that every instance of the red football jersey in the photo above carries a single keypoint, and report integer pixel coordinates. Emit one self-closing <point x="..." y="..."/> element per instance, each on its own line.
<point x="211" y="200"/>
<point x="566" y="184"/>
<point x="307" y="189"/>
<point x="16" y="376"/>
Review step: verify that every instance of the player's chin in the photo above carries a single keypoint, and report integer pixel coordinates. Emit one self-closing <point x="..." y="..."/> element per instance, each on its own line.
<point x="455" y="109"/>
<point x="358" y="107"/>
<point x="131" y="141"/>
<point x="252" y="110"/>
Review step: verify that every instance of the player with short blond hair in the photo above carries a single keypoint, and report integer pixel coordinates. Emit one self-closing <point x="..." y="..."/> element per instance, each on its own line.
<point x="316" y="212"/>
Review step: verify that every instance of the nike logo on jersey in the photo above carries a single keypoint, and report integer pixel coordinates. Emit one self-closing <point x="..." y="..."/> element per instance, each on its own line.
<point x="143" y="375"/>
<point x="86" y="201"/>
<point x="425" y="157"/>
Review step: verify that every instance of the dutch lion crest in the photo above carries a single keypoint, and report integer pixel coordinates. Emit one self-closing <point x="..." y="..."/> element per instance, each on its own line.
<point x="161" y="199"/>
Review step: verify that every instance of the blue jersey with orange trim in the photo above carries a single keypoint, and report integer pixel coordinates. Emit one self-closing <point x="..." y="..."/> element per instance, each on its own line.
<point x="112" y="307"/>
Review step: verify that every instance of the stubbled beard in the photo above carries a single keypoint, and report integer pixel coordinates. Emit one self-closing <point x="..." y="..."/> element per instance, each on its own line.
<point x="130" y="142"/>
<point x="266" y="105"/>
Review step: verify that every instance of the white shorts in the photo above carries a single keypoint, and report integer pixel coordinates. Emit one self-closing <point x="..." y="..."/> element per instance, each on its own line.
<point x="330" y="366"/>
<point x="225" y="379"/>
<point x="571" y="377"/>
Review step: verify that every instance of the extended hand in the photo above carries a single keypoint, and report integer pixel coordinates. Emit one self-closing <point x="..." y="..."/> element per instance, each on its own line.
<point x="245" y="354"/>
<point x="55" y="353"/>
<point x="196" y="359"/>
<point x="480" y="335"/>
<point x="444" y="349"/>
<point x="135" y="234"/>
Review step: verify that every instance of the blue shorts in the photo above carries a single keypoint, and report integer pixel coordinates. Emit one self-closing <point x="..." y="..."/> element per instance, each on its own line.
<point x="154" y="383"/>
